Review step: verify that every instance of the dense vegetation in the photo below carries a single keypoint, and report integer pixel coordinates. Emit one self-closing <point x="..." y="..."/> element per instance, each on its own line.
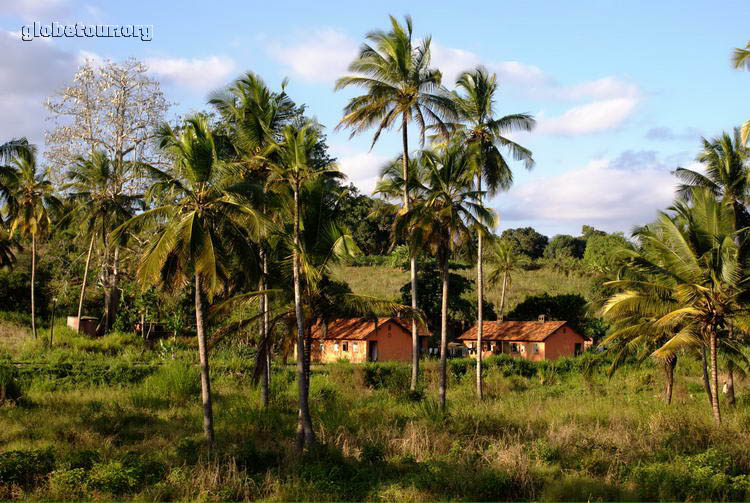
<point x="208" y="248"/>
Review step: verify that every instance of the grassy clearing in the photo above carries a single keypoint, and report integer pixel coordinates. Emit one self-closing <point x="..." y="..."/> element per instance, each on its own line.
<point x="386" y="282"/>
<point x="545" y="432"/>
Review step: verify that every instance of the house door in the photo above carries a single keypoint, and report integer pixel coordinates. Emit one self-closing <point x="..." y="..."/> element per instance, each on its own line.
<point x="372" y="351"/>
<point x="577" y="350"/>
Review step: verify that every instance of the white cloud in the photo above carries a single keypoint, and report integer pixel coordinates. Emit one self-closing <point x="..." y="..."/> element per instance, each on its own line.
<point x="607" y="193"/>
<point x="606" y="102"/>
<point x="362" y="169"/>
<point x="38" y="10"/>
<point x="200" y="75"/>
<point x="589" y="118"/>
<point x="320" y="56"/>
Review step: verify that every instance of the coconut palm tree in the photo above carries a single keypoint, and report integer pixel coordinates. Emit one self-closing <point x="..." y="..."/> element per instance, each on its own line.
<point x="293" y="168"/>
<point x="503" y="260"/>
<point x="255" y="116"/>
<point x="99" y="205"/>
<point x="400" y="88"/>
<point x="30" y="201"/>
<point x="727" y="174"/>
<point x="441" y="221"/>
<point x="11" y="148"/>
<point x="7" y="245"/>
<point x="485" y="134"/>
<point x="696" y="256"/>
<point x="741" y="59"/>
<point x="199" y="224"/>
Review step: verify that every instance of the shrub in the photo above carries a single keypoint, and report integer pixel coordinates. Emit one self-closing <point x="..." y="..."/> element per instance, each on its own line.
<point x="24" y="468"/>
<point x="69" y="483"/>
<point x="113" y="477"/>
<point x="392" y="376"/>
<point x="10" y="390"/>
<point x="125" y="476"/>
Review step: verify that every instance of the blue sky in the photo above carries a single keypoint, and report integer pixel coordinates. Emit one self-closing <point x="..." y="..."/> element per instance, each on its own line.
<point x="622" y="91"/>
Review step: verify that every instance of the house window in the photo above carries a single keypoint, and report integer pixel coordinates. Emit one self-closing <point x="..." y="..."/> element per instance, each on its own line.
<point x="535" y="349"/>
<point x="355" y="347"/>
<point x="336" y="347"/>
<point x="322" y="346"/>
<point x="346" y="347"/>
<point x="513" y="347"/>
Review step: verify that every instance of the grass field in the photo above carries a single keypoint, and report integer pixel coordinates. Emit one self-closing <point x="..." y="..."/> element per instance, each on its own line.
<point x="115" y="419"/>
<point x="386" y="282"/>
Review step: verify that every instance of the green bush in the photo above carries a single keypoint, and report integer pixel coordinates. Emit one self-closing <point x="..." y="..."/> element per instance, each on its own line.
<point x="125" y="476"/>
<point x="69" y="483"/>
<point x="24" y="468"/>
<point x="392" y="376"/>
<point x="10" y="389"/>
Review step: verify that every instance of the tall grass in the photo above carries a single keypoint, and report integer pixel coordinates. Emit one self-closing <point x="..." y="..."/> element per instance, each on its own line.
<point x="545" y="431"/>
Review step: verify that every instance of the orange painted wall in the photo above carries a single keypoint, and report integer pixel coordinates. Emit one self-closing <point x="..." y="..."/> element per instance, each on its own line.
<point x="562" y="343"/>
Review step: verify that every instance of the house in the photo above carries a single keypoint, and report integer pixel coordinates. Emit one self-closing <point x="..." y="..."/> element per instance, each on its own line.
<point x="88" y="324"/>
<point x="533" y="340"/>
<point x="365" y="339"/>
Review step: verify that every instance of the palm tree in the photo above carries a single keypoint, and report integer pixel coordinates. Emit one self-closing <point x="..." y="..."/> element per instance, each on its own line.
<point x="100" y="204"/>
<point x="255" y="115"/>
<point x="11" y="148"/>
<point x="741" y="59"/>
<point x="30" y="200"/>
<point x="696" y="256"/>
<point x="200" y="222"/>
<point x="442" y="220"/>
<point x="475" y="100"/>
<point x="503" y="260"/>
<point x="400" y="88"/>
<point x="7" y="256"/>
<point x="727" y="174"/>
<point x="295" y="167"/>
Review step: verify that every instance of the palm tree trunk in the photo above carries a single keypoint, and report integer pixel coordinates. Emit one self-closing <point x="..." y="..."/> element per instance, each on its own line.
<point x="33" y="280"/>
<point x="669" y="365"/>
<point x="731" y="399"/>
<point x="83" y="285"/>
<point x="706" y="381"/>
<point x="305" y="432"/>
<point x="264" y="343"/>
<point x="208" y="415"/>
<point x="714" y="378"/>
<point x="412" y="262"/>
<point x="480" y="298"/>
<point x="502" y="296"/>
<point x="443" y="330"/>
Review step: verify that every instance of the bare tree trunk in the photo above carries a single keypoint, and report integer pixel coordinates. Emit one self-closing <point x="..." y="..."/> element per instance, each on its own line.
<point x="83" y="285"/>
<point x="305" y="432"/>
<point x="443" y="331"/>
<point x="706" y="381"/>
<point x="480" y="298"/>
<point x="502" y="296"/>
<point x="33" y="280"/>
<point x="264" y="341"/>
<point x="412" y="263"/>
<point x="208" y="415"/>
<point x="731" y="399"/>
<point x="52" y="321"/>
<point x="669" y="365"/>
<point x="714" y="378"/>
